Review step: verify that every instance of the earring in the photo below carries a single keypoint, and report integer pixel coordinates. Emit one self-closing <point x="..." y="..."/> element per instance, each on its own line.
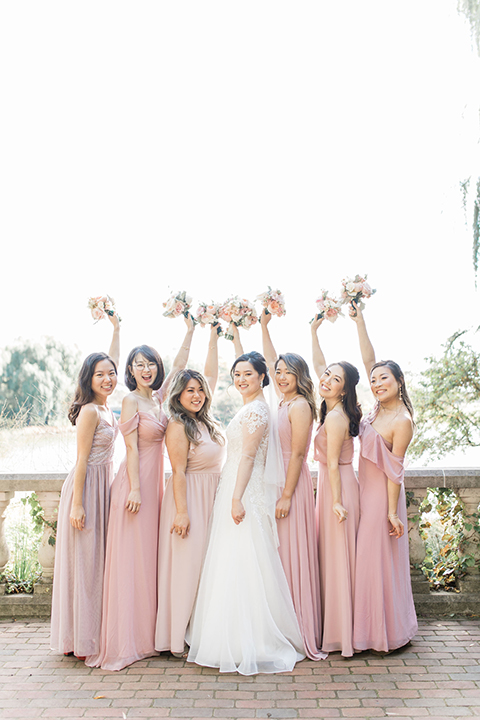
<point x="400" y="393"/>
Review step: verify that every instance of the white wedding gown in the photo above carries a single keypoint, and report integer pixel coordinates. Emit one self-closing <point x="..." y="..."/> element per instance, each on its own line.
<point x="243" y="619"/>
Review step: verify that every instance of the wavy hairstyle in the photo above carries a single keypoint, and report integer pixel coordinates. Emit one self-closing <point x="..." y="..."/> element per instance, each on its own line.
<point x="400" y="378"/>
<point x="258" y="362"/>
<point x="83" y="392"/>
<point x="349" y="398"/>
<point x="305" y="387"/>
<point x="177" y="411"/>
<point x="151" y="355"/>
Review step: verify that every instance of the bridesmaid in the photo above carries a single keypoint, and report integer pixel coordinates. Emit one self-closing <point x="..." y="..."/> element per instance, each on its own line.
<point x="385" y="617"/>
<point x="295" y="510"/>
<point x="83" y="509"/>
<point x="337" y="496"/>
<point x="196" y="450"/>
<point x="130" y="589"/>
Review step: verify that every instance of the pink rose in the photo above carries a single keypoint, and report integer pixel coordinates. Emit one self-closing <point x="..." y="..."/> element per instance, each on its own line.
<point x="97" y="313"/>
<point x="179" y="307"/>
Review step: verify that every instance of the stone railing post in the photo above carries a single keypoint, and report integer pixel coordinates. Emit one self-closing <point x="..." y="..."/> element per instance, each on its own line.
<point x="5" y="498"/>
<point x="470" y="498"/>
<point x="46" y="553"/>
<point x="420" y="583"/>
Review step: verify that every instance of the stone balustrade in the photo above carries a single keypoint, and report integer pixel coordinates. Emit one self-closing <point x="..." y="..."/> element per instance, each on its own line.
<point x="464" y="481"/>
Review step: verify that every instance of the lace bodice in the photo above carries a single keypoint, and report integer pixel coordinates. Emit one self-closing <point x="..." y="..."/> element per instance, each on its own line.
<point x="103" y="443"/>
<point x="252" y="417"/>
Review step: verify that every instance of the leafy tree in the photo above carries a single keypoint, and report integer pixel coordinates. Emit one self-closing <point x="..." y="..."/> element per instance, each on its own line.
<point x="37" y="378"/>
<point x="447" y="401"/>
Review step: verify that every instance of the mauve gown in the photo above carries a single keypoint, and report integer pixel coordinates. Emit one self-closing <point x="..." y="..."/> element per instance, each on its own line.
<point x="80" y="554"/>
<point x="385" y="617"/>
<point x="180" y="560"/>
<point x="130" y="589"/>
<point x="337" y="545"/>
<point x="298" y="545"/>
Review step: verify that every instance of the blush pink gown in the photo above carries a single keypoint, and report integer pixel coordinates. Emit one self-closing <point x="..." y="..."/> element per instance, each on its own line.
<point x="130" y="589"/>
<point x="80" y="554"/>
<point x="180" y="560"/>
<point x="298" y="546"/>
<point x="385" y="617"/>
<point x="337" y="545"/>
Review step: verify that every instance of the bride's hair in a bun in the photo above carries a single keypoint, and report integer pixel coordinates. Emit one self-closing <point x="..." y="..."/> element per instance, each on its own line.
<point x="258" y="362"/>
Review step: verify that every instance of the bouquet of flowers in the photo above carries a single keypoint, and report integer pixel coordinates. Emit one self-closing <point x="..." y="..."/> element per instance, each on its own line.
<point x="273" y="302"/>
<point x="354" y="289"/>
<point x="101" y="306"/>
<point x="179" y="303"/>
<point x="328" y="307"/>
<point x="209" y="315"/>
<point x="240" y="312"/>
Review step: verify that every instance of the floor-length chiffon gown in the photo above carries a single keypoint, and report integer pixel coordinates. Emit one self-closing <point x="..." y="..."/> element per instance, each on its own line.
<point x="180" y="559"/>
<point x="385" y="617"/>
<point x="243" y="619"/>
<point x="298" y="545"/>
<point x="337" y="546"/>
<point x="80" y="554"/>
<point x="130" y="590"/>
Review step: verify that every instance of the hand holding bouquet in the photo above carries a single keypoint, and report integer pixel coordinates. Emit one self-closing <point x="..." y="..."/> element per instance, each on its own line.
<point x="101" y="306"/>
<point x="179" y="303"/>
<point x="328" y="307"/>
<point x="273" y="302"/>
<point x="238" y="311"/>
<point x="209" y="315"/>
<point x="354" y="290"/>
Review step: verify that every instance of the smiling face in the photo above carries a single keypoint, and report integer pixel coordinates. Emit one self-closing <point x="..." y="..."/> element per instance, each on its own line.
<point x="192" y="398"/>
<point x="384" y="385"/>
<point x="332" y="383"/>
<point x="104" y="380"/>
<point x="246" y="379"/>
<point x="285" y="378"/>
<point x="144" y="371"/>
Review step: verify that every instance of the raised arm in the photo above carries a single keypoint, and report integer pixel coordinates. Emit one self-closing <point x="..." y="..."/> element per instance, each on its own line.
<point x="114" y="351"/>
<point x="253" y="430"/>
<point x="177" y="446"/>
<point x="211" y="363"/>
<point x="237" y="343"/>
<point x="86" y="425"/>
<point x="181" y="358"/>
<point x="319" y="363"/>
<point x="268" y="350"/>
<point x="366" y="347"/>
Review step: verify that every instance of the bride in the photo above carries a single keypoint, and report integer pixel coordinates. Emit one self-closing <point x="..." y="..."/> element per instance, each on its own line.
<point x="243" y="619"/>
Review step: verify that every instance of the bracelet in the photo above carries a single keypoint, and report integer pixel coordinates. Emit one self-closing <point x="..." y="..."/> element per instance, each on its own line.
<point x="392" y="515"/>
<point x="184" y="347"/>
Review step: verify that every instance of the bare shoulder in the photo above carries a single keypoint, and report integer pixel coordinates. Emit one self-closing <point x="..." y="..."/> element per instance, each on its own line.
<point x="88" y="415"/>
<point x="175" y="429"/>
<point x="300" y="409"/>
<point x="129" y="402"/>
<point x="336" y="421"/>
<point x="403" y="425"/>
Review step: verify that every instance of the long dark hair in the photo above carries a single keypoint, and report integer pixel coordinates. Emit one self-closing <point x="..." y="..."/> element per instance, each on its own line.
<point x="177" y="411"/>
<point x="305" y="387"/>
<point x="258" y="362"/>
<point x="400" y="378"/>
<point x="349" y="399"/>
<point x="151" y="355"/>
<point x="83" y="392"/>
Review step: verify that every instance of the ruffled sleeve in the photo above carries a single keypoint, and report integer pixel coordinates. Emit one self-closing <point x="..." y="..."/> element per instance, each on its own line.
<point x="128" y="427"/>
<point x="374" y="448"/>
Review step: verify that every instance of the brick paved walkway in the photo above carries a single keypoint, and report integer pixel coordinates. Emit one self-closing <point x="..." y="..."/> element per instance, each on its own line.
<point x="438" y="676"/>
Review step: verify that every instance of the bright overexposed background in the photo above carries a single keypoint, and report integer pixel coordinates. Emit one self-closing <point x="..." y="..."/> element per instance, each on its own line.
<point x="221" y="147"/>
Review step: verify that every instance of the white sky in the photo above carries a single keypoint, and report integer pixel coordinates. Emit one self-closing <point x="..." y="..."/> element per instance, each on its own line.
<point x="221" y="147"/>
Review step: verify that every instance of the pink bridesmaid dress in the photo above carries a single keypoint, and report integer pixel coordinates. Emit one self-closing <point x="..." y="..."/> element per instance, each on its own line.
<point x="80" y="554"/>
<point x="337" y="545"/>
<point x="298" y="546"/>
<point x="180" y="560"/>
<point x="130" y="589"/>
<point x="385" y="617"/>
